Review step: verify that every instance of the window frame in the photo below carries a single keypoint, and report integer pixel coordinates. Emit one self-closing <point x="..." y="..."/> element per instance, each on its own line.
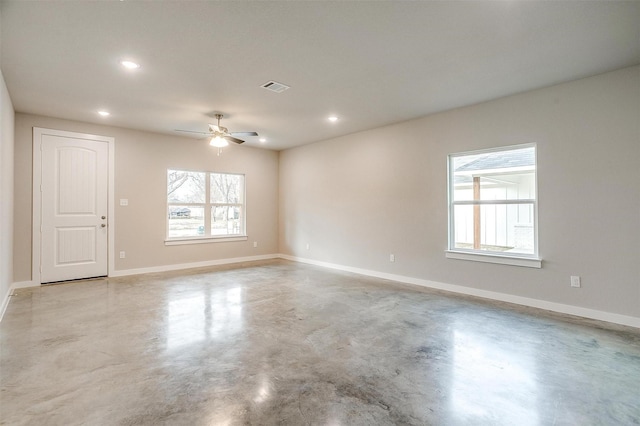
<point x="208" y="207"/>
<point x="516" y="259"/>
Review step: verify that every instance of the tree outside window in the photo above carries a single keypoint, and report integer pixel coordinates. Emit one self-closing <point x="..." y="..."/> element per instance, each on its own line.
<point x="204" y="204"/>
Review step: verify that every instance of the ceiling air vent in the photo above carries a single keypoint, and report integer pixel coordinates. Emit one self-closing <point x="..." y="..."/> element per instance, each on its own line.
<point x="274" y="86"/>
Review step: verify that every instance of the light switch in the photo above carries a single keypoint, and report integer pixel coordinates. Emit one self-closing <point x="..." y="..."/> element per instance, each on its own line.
<point x="575" y="281"/>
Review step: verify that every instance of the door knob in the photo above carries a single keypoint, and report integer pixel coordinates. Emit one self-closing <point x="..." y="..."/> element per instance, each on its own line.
<point x="103" y="225"/>
<point x="104" y="217"/>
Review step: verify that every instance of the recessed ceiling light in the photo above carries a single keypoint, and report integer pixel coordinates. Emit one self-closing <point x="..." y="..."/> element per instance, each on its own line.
<point x="333" y="118"/>
<point x="104" y="113"/>
<point x="263" y="140"/>
<point x="129" y="65"/>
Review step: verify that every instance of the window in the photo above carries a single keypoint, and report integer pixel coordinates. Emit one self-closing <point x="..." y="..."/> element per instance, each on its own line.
<point x="204" y="205"/>
<point x="492" y="204"/>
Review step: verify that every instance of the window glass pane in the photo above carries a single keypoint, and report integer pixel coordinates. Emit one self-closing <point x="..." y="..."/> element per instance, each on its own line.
<point x="185" y="187"/>
<point x="227" y="220"/>
<point x="515" y="186"/>
<point x="227" y="189"/>
<point x="505" y="228"/>
<point x="496" y="175"/>
<point x="186" y="221"/>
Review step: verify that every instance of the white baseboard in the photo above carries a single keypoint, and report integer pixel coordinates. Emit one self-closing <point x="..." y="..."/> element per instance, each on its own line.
<point x="5" y="302"/>
<point x="180" y="266"/>
<point x="24" y="284"/>
<point x="503" y="297"/>
<point x="7" y="297"/>
<point x="126" y="272"/>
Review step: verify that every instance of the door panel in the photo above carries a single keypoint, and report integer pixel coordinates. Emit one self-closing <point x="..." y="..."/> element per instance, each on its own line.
<point x="75" y="245"/>
<point x="74" y="208"/>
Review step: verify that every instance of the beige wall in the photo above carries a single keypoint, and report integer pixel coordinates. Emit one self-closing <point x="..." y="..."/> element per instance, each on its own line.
<point x="6" y="191"/>
<point x="141" y="163"/>
<point x="358" y="198"/>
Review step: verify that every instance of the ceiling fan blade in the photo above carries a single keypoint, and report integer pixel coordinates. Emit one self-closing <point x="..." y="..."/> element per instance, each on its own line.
<point x="191" y="131"/>
<point x="244" y="133"/>
<point x="214" y="129"/>
<point x="232" y="139"/>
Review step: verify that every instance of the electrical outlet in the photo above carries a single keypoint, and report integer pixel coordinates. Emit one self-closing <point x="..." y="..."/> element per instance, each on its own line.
<point x="308" y="246"/>
<point x="392" y="257"/>
<point x="255" y="244"/>
<point x="575" y="281"/>
<point x="124" y="202"/>
<point x="122" y="255"/>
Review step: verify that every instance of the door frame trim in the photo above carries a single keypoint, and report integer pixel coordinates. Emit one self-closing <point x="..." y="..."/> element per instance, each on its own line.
<point x="36" y="239"/>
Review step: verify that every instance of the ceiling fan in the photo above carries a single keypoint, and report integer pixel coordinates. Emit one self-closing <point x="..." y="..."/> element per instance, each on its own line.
<point x="221" y="136"/>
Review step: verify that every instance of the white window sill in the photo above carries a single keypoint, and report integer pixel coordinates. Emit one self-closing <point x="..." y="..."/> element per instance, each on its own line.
<point x="527" y="262"/>
<point x="204" y="240"/>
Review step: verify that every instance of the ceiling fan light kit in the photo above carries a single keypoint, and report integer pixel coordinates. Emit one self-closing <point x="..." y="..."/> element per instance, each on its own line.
<point x="218" y="142"/>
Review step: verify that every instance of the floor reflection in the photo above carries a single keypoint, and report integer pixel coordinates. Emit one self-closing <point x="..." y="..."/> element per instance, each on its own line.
<point x="283" y="343"/>
<point x="215" y="314"/>
<point x="492" y="382"/>
<point x="264" y="390"/>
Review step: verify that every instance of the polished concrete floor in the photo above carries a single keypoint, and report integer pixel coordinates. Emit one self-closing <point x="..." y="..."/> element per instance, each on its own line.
<point x="278" y="342"/>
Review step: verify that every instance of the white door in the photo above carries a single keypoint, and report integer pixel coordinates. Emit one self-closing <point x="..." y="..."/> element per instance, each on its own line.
<point x="74" y="179"/>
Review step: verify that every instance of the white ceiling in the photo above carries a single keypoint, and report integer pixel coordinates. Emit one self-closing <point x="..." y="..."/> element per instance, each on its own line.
<point x="370" y="63"/>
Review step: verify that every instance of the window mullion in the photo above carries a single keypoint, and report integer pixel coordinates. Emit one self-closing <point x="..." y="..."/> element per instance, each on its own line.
<point x="207" y="207"/>
<point x="491" y="202"/>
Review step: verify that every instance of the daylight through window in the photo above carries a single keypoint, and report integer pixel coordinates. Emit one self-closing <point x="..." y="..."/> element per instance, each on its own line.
<point x="204" y="205"/>
<point x="492" y="202"/>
